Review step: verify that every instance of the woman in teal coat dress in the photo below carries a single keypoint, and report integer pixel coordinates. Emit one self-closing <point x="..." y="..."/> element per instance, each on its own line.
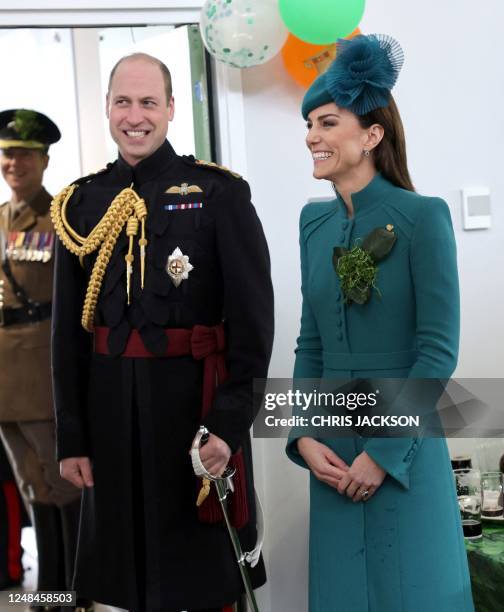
<point x="385" y="531"/>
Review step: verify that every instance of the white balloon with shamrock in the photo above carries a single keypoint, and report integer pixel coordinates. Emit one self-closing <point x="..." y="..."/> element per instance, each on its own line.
<point x="242" y="33"/>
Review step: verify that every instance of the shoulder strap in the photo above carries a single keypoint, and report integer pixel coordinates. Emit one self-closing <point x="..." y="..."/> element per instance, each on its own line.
<point x="85" y="179"/>
<point x="19" y="292"/>
<point x="210" y="165"/>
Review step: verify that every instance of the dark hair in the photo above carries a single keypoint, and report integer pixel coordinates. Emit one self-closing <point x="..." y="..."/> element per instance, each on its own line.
<point x="390" y="154"/>
<point x="154" y="60"/>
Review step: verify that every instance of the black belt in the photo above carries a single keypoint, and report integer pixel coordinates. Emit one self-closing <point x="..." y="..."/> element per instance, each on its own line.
<point x="25" y="314"/>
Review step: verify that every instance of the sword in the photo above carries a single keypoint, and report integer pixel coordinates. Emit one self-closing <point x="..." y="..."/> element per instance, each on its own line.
<point x="224" y="486"/>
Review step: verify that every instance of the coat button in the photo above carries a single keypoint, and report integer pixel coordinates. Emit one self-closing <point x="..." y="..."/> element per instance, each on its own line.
<point x="339" y="323"/>
<point x="340" y="336"/>
<point x="342" y="237"/>
<point x="338" y="309"/>
<point x="338" y="297"/>
<point x="344" y="225"/>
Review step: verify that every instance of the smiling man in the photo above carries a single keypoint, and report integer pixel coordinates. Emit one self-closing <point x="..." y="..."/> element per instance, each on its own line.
<point x="179" y="295"/>
<point x="139" y="122"/>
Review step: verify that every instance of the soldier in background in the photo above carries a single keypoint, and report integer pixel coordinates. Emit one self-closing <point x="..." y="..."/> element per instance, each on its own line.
<point x="26" y="405"/>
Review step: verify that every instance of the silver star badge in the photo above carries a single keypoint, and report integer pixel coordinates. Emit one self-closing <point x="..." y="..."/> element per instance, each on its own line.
<point x="178" y="267"/>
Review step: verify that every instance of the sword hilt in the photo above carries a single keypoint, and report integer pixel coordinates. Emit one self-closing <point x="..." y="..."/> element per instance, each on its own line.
<point x="200" y="439"/>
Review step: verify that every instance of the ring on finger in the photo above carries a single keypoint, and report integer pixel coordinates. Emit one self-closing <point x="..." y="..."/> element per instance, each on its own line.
<point x="365" y="494"/>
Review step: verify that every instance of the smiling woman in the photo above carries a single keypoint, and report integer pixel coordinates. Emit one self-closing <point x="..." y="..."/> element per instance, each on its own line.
<point x="371" y="547"/>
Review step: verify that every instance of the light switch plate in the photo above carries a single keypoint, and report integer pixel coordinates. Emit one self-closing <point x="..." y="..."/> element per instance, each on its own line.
<point x="476" y="210"/>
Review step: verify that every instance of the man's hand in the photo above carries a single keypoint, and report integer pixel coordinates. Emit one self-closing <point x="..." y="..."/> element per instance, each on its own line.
<point x="78" y="471"/>
<point x="322" y="461"/>
<point x="364" y="475"/>
<point x="215" y="455"/>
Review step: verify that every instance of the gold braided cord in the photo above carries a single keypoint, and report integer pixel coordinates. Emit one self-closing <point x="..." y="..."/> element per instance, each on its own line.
<point x="141" y="213"/>
<point x="125" y="206"/>
<point x="131" y="232"/>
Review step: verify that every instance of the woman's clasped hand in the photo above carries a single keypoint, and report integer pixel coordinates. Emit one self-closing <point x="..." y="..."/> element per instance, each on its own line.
<point x="359" y="481"/>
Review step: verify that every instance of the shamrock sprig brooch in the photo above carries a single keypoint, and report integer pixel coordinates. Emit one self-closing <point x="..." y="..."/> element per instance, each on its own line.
<point x="357" y="269"/>
<point x="26" y="124"/>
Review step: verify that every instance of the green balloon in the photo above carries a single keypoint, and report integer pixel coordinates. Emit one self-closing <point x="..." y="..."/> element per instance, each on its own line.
<point x="321" y="22"/>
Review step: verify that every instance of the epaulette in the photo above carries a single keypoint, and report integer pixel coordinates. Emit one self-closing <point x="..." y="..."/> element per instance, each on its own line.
<point x="211" y="166"/>
<point x="86" y="179"/>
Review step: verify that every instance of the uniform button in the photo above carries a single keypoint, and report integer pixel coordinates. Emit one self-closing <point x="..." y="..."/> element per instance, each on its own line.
<point x="338" y="309"/>
<point x="340" y="336"/>
<point x="338" y="297"/>
<point x="342" y="237"/>
<point x="344" y="225"/>
<point x="339" y="323"/>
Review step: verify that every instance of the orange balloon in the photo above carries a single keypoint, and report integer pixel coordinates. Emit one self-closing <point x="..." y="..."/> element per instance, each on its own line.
<point x="304" y="61"/>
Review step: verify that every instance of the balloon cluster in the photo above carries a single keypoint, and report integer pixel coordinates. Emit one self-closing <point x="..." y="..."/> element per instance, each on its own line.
<point x="242" y="33"/>
<point x="245" y="33"/>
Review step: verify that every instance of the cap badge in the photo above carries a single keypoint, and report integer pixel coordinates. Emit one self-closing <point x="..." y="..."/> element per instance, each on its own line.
<point x="178" y="267"/>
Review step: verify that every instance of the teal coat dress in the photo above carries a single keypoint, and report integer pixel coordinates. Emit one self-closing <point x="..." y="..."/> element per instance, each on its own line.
<point x="403" y="550"/>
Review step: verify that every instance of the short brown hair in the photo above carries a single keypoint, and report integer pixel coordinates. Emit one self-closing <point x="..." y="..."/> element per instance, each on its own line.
<point x="154" y="60"/>
<point x="390" y="154"/>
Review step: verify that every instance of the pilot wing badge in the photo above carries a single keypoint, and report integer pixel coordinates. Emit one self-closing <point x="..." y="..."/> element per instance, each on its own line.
<point x="184" y="189"/>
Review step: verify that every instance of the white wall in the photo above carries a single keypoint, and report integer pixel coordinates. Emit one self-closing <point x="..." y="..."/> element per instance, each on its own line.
<point x="37" y="73"/>
<point x="450" y="92"/>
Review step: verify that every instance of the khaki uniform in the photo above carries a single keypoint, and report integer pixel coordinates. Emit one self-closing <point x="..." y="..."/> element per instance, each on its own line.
<point x="25" y="375"/>
<point x="26" y="404"/>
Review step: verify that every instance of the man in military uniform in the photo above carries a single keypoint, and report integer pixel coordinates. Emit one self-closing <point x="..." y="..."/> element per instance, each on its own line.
<point x="26" y="406"/>
<point x="163" y="259"/>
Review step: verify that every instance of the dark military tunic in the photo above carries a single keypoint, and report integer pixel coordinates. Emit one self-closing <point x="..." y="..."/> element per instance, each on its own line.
<point x="141" y="545"/>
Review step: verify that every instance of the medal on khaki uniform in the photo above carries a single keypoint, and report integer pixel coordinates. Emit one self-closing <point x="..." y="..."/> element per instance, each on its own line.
<point x="31" y="253"/>
<point x="30" y="246"/>
<point x="47" y="249"/>
<point x="18" y="246"/>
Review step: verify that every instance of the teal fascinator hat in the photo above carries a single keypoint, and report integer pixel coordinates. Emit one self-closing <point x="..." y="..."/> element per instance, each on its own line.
<point x="360" y="78"/>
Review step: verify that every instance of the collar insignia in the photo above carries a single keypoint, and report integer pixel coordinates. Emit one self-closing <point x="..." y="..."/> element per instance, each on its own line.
<point x="184" y="189"/>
